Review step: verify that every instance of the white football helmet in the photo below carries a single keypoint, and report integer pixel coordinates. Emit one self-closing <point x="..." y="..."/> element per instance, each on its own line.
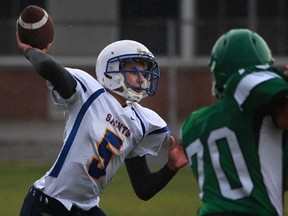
<point x="111" y="74"/>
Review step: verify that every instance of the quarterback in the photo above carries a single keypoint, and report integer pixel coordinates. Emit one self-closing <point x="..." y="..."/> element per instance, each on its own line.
<point x="237" y="147"/>
<point x="105" y="127"/>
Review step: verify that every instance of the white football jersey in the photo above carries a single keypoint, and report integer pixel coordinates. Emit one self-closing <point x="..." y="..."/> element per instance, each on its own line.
<point x="99" y="135"/>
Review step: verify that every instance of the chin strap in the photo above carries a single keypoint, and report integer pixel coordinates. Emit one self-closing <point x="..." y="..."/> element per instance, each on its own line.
<point x="128" y="93"/>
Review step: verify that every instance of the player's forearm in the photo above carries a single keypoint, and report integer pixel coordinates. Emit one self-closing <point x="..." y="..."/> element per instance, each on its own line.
<point x="62" y="81"/>
<point x="145" y="183"/>
<point x="155" y="182"/>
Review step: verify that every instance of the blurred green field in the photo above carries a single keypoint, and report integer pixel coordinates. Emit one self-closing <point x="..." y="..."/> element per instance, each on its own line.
<point x="179" y="198"/>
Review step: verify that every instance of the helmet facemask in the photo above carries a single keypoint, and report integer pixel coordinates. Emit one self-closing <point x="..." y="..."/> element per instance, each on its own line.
<point x="116" y="71"/>
<point x="217" y="90"/>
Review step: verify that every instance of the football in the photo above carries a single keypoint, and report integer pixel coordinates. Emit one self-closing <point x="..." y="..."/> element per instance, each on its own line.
<point x="35" y="27"/>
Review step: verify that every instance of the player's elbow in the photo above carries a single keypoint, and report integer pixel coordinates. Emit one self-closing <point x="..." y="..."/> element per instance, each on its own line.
<point x="144" y="198"/>
<point x="144" y="195"/>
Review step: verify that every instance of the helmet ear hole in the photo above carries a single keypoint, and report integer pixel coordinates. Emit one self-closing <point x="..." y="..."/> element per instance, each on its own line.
<point x="107" y="76"/>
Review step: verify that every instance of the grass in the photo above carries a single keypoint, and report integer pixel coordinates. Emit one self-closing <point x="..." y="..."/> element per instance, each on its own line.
<point x="180" y="197"/>
<point x="15" y="180"/>
<point x="175" y="199"/>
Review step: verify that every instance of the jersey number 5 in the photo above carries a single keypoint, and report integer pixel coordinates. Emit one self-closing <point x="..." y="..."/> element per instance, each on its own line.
<point x="109" y="144"/>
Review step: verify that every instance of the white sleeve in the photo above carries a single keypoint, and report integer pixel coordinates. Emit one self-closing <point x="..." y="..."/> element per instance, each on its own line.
<point x="156" y="133"/>
<point x="59" y="101"/>
<point x="151" y="144"/>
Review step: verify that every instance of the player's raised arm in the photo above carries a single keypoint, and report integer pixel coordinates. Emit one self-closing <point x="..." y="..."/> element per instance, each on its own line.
<point x="46" y="66"/>
<point x="34" y="36"/>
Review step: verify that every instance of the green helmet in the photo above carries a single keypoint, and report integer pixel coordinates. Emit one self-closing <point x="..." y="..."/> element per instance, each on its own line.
<point x="236" y="49"/>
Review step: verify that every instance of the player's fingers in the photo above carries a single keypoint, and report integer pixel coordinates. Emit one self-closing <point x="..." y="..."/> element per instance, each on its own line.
<point x="286" y="71"/>
<point x="17" y="36"/>
<point x="172" y="142"/>
<point x="22" y="46"/>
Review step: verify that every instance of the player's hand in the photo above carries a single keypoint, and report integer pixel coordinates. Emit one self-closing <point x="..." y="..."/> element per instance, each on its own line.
<point x="286" y="71"/>
<point x="177" y="157"/>
<point x="23" y="46"/>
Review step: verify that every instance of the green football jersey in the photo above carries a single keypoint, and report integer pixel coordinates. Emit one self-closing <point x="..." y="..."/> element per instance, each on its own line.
<point x="236" y="152"/>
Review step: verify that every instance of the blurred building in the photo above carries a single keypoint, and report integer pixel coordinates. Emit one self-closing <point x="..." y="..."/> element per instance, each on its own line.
<point x="180" y="33"/>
